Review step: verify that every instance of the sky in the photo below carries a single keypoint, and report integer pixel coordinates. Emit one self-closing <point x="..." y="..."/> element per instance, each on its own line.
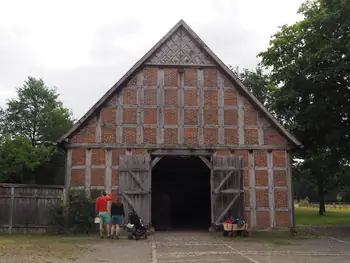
<point x="84" y="47"/>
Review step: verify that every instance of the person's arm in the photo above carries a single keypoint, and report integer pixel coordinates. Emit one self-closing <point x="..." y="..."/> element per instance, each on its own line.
<point x="97" y="205"/>
<point x="109" y="197"/>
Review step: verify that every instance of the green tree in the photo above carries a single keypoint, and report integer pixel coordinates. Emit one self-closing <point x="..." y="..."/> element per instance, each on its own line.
<point x="258" y="82"/>
<point x="310" y="62"/>
<point x="38" y="115"/>
<point x="19" y="159"/>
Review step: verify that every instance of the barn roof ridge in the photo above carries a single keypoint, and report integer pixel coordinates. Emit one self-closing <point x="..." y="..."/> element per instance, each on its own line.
<point x="211" y="54"/>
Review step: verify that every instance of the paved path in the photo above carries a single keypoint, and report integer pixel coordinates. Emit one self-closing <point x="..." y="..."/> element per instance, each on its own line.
<point x="197" y="247"/>
<point x="187" y="247"/>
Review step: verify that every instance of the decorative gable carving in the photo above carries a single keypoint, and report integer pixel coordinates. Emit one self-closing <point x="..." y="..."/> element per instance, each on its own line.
<point x="180" y="48"/>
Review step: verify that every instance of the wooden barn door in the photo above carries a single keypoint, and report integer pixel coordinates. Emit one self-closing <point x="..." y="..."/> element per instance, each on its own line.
<point x="135" y="185"/>
<point x="226" y="188"/>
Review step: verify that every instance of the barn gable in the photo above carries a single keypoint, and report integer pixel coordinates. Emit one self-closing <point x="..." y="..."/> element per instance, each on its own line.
<point x="181" y="47"/>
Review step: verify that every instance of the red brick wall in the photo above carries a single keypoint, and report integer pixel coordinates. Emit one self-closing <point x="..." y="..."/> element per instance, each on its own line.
<point x="86" y="134"/>
<point x="262" y="219"/>
<point x="77" y="177"/>
<point x="146" y="97"/>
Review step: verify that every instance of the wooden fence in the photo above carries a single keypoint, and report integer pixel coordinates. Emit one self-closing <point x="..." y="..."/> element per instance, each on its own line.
<point x="328" y="205"/>
<point x="28" y="208"/>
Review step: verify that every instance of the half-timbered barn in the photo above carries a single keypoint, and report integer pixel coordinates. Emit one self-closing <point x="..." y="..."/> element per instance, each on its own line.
<point x="184" y="143"/>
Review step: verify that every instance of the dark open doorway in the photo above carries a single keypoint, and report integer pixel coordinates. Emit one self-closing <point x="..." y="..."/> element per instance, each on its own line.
<point x="181" y="194"/>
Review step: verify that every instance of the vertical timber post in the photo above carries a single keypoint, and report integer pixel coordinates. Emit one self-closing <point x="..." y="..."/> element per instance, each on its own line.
<point x="98" y="127"/>
<point x="160" y="107"/>
<point x="108" y="174"/>
<point x="260" y="131"/>
<point x="139" y="99"/>
<point x="181" y="110"/>
<point x="68" y="175"/>
<point x="271" y="184"/>
<point x="221" y="109"/>
<point x="88" y="173"/>
<point x="200" y="94"/>
<point x="119" y="118"/>
<point x="240" y="102"/>
<point x="11" y="210"/>
<point x="290" y="190"/>
<point x="212" y="199"/>
<point x="252" y="194"/>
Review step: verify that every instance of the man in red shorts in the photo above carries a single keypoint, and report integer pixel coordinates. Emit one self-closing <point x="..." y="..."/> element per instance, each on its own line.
<point x="102" y="211"/>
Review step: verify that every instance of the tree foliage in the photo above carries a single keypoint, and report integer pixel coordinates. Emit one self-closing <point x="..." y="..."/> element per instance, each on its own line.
<point x="310" y="62"/>
<point x="36" y="113"/>
<point x="19" y="159"/>
<point x="258" y="83"/>
<point x="30" y="125"/>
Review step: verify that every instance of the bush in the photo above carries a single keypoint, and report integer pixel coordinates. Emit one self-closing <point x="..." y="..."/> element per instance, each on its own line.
<point x="77" y="216"/>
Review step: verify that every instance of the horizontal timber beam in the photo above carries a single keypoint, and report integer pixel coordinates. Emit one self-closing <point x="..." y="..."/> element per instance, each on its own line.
<point x="179" y="65"/>
<point x="122" y="169"/>
<point x="7" y="185"/>
<point x="175" y="147"/>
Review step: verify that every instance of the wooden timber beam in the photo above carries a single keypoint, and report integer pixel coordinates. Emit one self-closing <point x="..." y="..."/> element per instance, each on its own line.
<point x="129" y="201"/>
<point x="205" y="160"/>
<point x="204" y="150"/>
<point x="137" y="179"/>
<point x="218" y="220"/>
<point x="155" y="161"/>
<point x="216" y="191"/>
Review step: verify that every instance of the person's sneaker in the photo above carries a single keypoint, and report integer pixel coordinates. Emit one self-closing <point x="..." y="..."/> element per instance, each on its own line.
<point x="109" y="237"/>
<point x="102" y="237"/>
<point x="116" y="237"/>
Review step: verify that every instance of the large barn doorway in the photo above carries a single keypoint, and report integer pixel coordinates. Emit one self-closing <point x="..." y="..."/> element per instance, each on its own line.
<point x="181" y="194"/>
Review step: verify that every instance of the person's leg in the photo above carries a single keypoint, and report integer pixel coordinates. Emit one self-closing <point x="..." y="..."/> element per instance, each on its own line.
<point x="118" y="224"/>
<point x="117" y="228"/>
<point x="112" y="227"/>
<point x="108" y="230"/>
<point x="101" y="224"/>
<point x="108" y="221"/>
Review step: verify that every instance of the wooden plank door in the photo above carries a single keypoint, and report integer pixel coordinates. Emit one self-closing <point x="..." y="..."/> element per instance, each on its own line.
<point x="135" y="185"/>
<point x="227" y="191"/>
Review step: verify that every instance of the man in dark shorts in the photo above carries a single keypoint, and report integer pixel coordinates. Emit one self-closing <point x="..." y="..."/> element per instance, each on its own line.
<point x="117" y="213"/>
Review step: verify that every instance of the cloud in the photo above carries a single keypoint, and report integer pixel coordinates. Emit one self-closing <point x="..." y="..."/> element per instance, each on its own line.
<point x="84" y="47"/>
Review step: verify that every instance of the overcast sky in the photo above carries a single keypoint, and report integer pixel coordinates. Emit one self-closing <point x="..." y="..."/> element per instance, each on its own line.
<point x="83" y="47"/>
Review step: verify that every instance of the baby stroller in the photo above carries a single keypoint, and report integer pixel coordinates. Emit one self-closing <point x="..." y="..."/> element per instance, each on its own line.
<point x="135" y="227"/>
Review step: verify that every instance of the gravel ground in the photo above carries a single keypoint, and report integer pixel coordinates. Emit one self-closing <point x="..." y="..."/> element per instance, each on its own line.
<point x="186" y="247"/>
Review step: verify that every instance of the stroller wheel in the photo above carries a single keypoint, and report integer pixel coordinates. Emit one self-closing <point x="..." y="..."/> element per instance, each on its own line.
<point x="146" y="236"/>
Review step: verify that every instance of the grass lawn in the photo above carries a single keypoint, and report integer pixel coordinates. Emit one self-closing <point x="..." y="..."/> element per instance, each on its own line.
<point x="35" y="247"/>
<point x="333" y="217"/>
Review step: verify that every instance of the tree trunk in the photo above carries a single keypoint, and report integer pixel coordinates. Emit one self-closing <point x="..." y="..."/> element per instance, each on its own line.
<point x="322" y="208"/>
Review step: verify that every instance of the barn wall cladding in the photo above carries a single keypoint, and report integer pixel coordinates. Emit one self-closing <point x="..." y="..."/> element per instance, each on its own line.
<point x="181" y="98"/>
